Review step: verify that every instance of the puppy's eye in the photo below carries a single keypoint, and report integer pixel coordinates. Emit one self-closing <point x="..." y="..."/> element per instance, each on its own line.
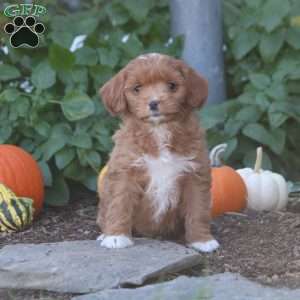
<point x="137" y="88"/>
<point x="172" y="86"/>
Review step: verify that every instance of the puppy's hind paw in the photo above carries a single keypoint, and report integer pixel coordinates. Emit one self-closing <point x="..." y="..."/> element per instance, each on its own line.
<point x="207" y="247"/>
<point x="116" y="241"/>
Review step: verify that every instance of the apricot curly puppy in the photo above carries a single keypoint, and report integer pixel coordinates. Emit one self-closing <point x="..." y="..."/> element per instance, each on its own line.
<point x="158" y="178"/>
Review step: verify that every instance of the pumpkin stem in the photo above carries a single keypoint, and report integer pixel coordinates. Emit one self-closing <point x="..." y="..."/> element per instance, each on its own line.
<point x="257" y="166"/>
<point x="214" y="155"/>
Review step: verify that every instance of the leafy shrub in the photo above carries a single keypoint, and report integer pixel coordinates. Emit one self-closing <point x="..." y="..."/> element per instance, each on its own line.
<point x="49" y="100"/>
<point x="263" y="74"/>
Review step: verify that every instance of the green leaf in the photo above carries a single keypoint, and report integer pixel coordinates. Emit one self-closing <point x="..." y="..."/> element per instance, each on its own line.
<point x="22" y="106"/>
<point x="9" y="95"/>
<point x="86" y="56"/>
<point x="75" y="171"/>
<point x="60" y="135"/>
<point x="117" y="14"/>
<point x="276" y="119"/>
<point x="77" y="106"/>
<point x="260" y="81"/>
<point x="109" y="57"/>
<point x="13" y="115"/>
<point x="85" y="22"/>
<point x="275" y="139"/>
<point x="27" y="144"/>
<point x="138" y="9"/>
<point x="76" y="23"/>
<point x="90" y="182"/>
<point x="212" y="115"/>
<point x="43" y="76"/>
<point x="105" y="141"/>
<point x="293" y="37"/>
<point x="277" y="91"/>
<point x="94" y="160"/>
<point x="82" y="140"/>
<point x="248" y="114"/>
<point x="8" y="72"/>
<point x="249" y="18"/>
<point x="216" y="137"/>
<point x="272" y="13"/>
<point x="293" y="87"/>
<point x="101" y="74"/>
<point x="256" y="4"/>
<point x="231" y="146"/>
<point x="233" y="126"/>
<point x="62" y="38"/>
<point x="52" y="146"/>
<point x="82" y="157"/>
<point x="5" y="133"/>
<point x="64" y="157"/>
<point x="80" y="75"/>
<point x="133" y="46"/>
<point x="231" y="13"/>
<point x="61" y="58"/>
<point x="270" y="44"/>
<point x="262" y="101"/>
<point x="288" y="108"/>
<point x="244" y="43"/>
<point x="43" y="128"/>
<point x="58" y="194"/>
<point x="287" y="67"/>
<point x="47" y="175"/>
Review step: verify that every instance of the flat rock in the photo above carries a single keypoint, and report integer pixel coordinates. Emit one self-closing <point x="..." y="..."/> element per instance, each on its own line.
<point x="84" y="266"/>
<point x="215" y="287"/>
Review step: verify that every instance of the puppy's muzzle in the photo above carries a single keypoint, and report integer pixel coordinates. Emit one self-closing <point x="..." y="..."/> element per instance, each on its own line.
<point x="153" y="106"/>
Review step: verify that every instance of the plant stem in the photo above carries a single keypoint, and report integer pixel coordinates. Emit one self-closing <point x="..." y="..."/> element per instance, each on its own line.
<point x="215" y="153"/>
<point x="54" y="101"/>
<point x="258" y="161"/>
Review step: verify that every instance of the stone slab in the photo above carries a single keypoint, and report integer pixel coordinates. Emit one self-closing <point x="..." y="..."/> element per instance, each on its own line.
<point x="226" y="286"/>
<point x="84" y="266"/>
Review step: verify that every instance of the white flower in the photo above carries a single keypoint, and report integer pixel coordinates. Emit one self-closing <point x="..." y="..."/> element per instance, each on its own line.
<point x="169" y="42"/>
<point x="78" y="42"/>
<point x="4" y="49"/>
<point x="125" y="38"/>
<point x="26" y="86"/>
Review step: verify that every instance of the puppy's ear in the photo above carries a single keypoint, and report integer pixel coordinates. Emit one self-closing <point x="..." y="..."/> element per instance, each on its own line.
<point x="113" y="94"/>
<point x="196" y="84"/>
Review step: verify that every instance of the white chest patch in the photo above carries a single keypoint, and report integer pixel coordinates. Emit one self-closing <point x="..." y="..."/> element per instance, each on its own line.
<point x="164" y="171"/>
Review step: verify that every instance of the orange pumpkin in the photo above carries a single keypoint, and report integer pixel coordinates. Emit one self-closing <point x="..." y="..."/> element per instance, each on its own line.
<point x="21" y="173"/>
<point x="229" y="192"/>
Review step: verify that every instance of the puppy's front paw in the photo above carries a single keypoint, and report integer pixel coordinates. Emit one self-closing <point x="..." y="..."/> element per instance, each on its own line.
<point x="116" y="241"/>
<point x="208" y="246"/>
<point x="100" y="237"/>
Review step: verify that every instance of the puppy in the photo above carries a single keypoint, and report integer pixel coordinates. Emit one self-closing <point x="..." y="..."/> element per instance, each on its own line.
<point x="158" y="179"/>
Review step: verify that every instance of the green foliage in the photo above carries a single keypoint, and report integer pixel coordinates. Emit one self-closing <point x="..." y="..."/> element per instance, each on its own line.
<point x="263" y="74"/>
<point x="49" y="100"/>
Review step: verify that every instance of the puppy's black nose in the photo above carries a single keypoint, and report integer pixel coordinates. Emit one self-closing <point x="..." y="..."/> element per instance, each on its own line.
<point x="153" y="105"/>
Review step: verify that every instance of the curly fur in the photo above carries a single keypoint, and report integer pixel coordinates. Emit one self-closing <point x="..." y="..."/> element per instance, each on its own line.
<point x="158" y="178"/>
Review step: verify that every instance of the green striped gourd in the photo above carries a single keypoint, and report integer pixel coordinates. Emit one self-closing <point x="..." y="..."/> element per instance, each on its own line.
<point x="16" y="213"/>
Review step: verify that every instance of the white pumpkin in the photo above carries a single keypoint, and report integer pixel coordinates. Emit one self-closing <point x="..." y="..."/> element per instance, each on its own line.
<point x="266" y="190"/>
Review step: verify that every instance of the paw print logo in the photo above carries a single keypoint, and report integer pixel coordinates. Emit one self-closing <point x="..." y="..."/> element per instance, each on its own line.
<point x="24" y="32"/>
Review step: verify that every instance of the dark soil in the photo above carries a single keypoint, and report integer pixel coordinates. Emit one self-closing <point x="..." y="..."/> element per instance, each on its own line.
<point x="264" y="247"/>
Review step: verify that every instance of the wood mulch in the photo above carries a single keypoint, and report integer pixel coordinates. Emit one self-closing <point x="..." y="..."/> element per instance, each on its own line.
<point x="264" y="247"/>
